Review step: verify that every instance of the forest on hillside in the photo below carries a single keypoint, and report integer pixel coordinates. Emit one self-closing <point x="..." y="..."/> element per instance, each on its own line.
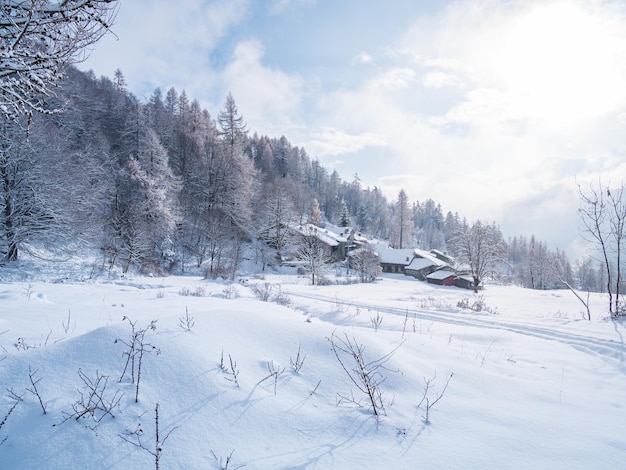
<point x="164" y="186"/>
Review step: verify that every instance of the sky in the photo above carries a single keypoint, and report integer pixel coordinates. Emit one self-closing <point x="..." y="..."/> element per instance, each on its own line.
<point x="495" y="109"/>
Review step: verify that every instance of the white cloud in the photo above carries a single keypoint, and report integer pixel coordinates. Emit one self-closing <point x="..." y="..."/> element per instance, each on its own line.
<point x="166" y="45"/>
<point x="332" y="141"/>
<point x="440" y="80"/>
<point x="277" y="7"/>
<point x="267" y="98"/>
<point x="362" y="58"/>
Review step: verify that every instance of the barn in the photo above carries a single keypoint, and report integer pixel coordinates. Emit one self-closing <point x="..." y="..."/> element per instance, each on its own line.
<point x="442" y="278"/>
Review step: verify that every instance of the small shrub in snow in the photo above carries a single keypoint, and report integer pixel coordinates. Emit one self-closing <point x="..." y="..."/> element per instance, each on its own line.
<point x="376" y="321"/>
<point x="232" y="371"/>
<point x="34" y="390"/>
<point x="22" y="345"/>
<point x="366" y="376"/>
<point x="263" y="291"/>
<point x="66" y="324"/>
<point x="6" y="417"/>
<point x="95" y="400"/>
<point x="432" y="303"/>
<point x="323" y="281"/>
<point x="186" y="322"/>
<point x="137" y="347"/>
<point x="282" y="298"/>
<point x="230" y="292"/>
<point x="274" y="373"/>
<point x="28" y="291"/>
<point x="298" y="362"/>
<point x="428" y="401"/>
<point x="476" y="304"/>
<point x="134" y="438"/>
<point x="225" y="464"/>
<point x="199" y="291"/>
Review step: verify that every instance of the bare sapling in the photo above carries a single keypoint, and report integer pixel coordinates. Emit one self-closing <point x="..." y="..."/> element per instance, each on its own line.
<point x="298" y="362"/>
<point x="34" y="390"/>
<point x="274" y="373"/>
<point x="225" y="464"/>
<point x="95" y="400"/>
<point x="6" y="417"/>
<point x="186" y="322"/>
<point x="376" y="321"/>
<point x="366" y="376"/>
<point x="22" y="345"/>
<point x="232" y="371"/>
<point x="65" y="324"/>
<point x="137" y="348"/>
<point x="427" y="400"/>
<point x="134" y="438"/>
<point x="404" y="323"/>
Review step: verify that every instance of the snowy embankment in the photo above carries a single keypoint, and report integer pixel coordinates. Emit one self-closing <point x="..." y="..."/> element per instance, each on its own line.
<point x="533" y="384"/>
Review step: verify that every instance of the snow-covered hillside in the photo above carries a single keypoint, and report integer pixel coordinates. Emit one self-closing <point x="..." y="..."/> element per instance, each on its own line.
<point x="532" y="385"/>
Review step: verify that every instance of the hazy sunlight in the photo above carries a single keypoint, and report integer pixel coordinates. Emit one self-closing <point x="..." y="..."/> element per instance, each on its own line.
<point x="561" y="64"/>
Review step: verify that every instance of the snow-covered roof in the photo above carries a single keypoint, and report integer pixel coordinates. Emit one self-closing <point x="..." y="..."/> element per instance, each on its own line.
<point x="441" y="275"/>
<point x="327" y="236"/>
<point x="429" y="256"/>
<point x="413" y="258"/>
<point x="393" y="256"/>
<point x="417" y="264"/>
<point x="441" y="255"/>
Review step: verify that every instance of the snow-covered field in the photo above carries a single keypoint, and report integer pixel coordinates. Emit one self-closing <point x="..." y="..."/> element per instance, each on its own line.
<point x="533" y="384"/>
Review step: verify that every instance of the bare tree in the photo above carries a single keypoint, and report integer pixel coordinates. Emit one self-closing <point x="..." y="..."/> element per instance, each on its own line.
<point x="602" y="212"/>
<point x="313" y="252"/>
<point x="365" y="262"/>
<point x="481" y="247"/>
<point x="402" y="225"/>
<point x="366" y="376"/>
<point x="38" y="39"/>
<point x="276" y="217"/>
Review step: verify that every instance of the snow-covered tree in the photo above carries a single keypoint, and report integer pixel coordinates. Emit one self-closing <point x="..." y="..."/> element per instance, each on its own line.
<point x="480" y="247"/>
<point x="402" y="225"/>
<point x="365" y="262"/>
<point x="314" y="254"/>
<point x="23" y="216"/>
<point x="38" y="39"/>
<point x="276" y="218"/>
<point x="315" y="216"/>
<point x="344" y="215"/>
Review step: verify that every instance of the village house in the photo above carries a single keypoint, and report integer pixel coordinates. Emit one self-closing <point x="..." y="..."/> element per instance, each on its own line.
<point x="465" y="282"/>
<point x="338" y="242"/>
<point x="442" y="278"/>
<point x="423" y="264"/>
<point x="411" y="261"/>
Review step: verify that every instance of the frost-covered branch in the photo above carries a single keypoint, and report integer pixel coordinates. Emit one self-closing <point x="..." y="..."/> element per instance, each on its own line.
<point x="38" y="39"/>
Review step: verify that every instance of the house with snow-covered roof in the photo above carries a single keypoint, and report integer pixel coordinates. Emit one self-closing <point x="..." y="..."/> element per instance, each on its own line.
<point x="442" y="277"/>
<point x="423" y="264"/>
<point x="337" y="243"/>
<point x="394" y="260"/>
<point x="411" y="261"/>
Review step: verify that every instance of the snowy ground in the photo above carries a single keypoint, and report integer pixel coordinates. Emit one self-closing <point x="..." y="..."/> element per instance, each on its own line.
<point x="533" y="386"/>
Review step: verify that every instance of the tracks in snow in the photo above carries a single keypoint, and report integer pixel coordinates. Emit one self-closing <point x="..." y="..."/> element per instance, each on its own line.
<point x="606" y="348"/>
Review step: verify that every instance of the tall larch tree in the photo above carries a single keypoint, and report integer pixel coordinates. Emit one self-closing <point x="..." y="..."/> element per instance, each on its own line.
<point x="402" y="223"/>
